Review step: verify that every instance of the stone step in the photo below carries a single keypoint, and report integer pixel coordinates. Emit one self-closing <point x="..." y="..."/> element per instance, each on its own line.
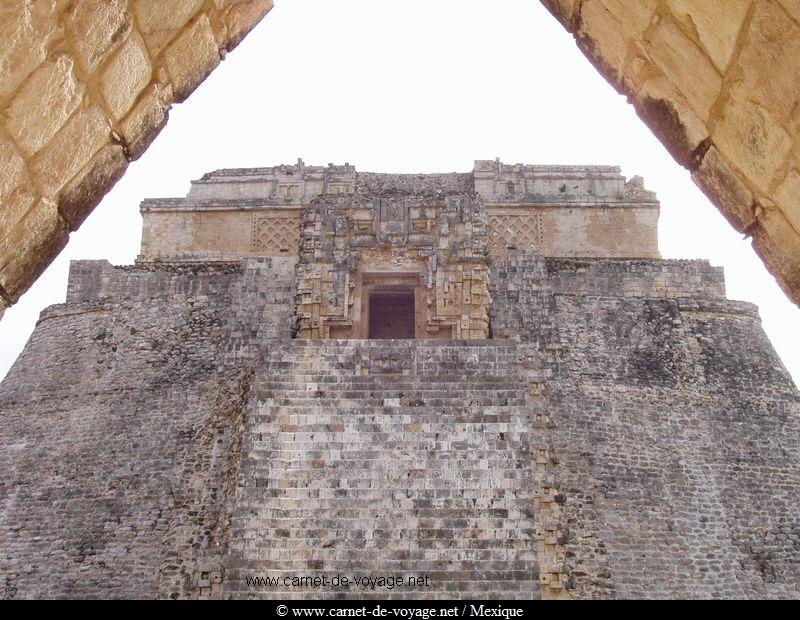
<point x="315" y="390"/>
<point x="453" y="390"/>
<point x="441" y="380"/>
<point x="343" y="362"/>
<point x="381" y="406"/>
<point x="416" y="453"/>
<point x="443" y="388"/>
<point x="396" y="418"/>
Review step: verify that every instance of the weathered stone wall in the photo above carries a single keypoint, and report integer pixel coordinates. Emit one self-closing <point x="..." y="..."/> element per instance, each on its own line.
<point x="91" y="280"/>
<point x="666" y="431"/>
<point x="676" y="442"/>
<point x="558" y="210"/>
<point x="116" y="432"/>
<point x="84" y="88"/>
<point x="219" y="234"/>
<point x="636" y="278"/>
<point x="717" y="83"/>
<point x="620" y="230"/>
<point x="121" y="424"/>
<point x="631" y="433"/>
<point x="257" y="295"/>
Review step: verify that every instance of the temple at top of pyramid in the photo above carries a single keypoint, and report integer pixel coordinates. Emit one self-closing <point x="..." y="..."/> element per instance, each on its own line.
<point x="557" y="210"/>
<point x="401" y="255"/>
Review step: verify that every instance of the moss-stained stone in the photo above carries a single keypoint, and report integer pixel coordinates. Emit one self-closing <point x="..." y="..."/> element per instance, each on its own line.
<point x="725" y="189"/>
<point x="77" y="200"/>
<point x="191" y="58"/>
<point x="30" y="247"/>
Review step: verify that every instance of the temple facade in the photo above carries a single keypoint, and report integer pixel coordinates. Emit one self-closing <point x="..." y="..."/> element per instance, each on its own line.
<point x="403" y="256"/>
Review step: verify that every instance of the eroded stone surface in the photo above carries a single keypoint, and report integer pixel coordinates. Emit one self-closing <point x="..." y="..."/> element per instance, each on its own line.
<point x="12" y="167"/>
<point x="35" y="241"/>
<point x="71" y="73"/>
<point x="44" y="103"/>
<point x="716" y="77"/>
<point x="95" y="27"/>
<point x="621" y="431"/>
<point x="25" y="30"/>
<point x="125" y="76"/>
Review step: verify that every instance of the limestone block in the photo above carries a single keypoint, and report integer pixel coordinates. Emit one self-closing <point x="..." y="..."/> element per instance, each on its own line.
<point x="14" y="209"/>
<point x="43" y="103"/>
<point x="778" y="245"/>
<point x="25" y="29"/>
<point x="601" y="39"/>
<point x="84" y="134"/>
<point x="12" y="168"/>
<point x="147" y="118"/>
<point x="161" y="21"/>
<point x="563" y="10"/>
<point x="125" y="76"/>
<point x="685" y="65"/>
<point x="749" y="136"/>
<point x="662" y="107"/>
<point x="92" y="183"/>
<point x="721" y="184"/>
<point x="191" y="58"/>
<point x="608" y="27"/>
<point x="717" y="25"/>
<point x="770" y="62"/>
<point x="634" y="17"/>
<point x="792" y="7"/>
<point x="94" y="27"/>
<point x="242" y="18"/>
<point x="30" y="247"/>
<point x="788" y="198"/>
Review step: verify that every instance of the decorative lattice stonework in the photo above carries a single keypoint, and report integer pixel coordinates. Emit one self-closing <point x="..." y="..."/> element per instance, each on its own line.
<point x="275" y="235"/>
<point x="518" y="231"/>
<point x="433" y="246"/>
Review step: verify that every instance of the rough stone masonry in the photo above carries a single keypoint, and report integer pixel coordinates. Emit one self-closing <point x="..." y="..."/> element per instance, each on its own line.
<point x="319" y="382"/>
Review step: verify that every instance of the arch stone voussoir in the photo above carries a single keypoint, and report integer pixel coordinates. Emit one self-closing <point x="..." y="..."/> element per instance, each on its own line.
<point x="716" y="82"/>
<point x="85" y="87"/>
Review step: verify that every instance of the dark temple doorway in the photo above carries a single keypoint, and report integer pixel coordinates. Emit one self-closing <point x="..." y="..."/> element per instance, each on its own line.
<point x="391" y="314"/>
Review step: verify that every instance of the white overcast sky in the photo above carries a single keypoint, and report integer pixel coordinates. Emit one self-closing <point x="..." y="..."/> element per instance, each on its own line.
<point x="412" y="86"/>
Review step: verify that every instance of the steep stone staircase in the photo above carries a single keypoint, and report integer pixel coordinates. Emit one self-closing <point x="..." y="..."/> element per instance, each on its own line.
<point x="384" y="459"/>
